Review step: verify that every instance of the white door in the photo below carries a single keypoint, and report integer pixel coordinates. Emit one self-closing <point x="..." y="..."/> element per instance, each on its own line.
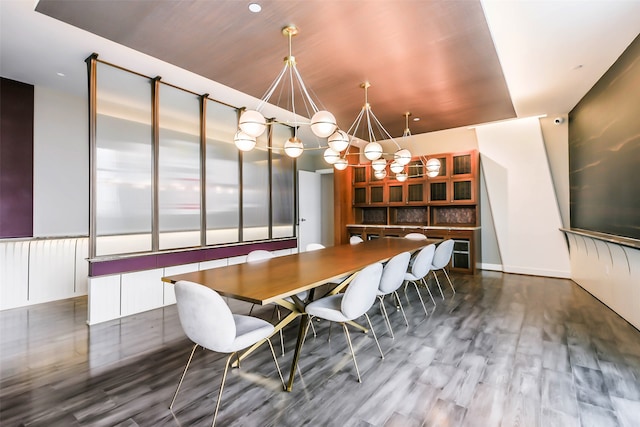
<point x="309" y="202"/>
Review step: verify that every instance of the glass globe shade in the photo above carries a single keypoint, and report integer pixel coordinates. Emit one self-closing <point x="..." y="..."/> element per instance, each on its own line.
<point x="402" y="176"/>
<point x="323" y="124"/>
<point x="396" y="167"/>
<point x="338" y="141"/>
<point x="402" y="156"/>
<point x="373" y="151"/>
<point x="432" y="174"/>
<point x="252" y="123"/>
<point x="331" y="155"/>
<point x="293" y="147"/>
<point x="379" y="164"/>
<point x="243" y="141"/>
<point x="433" y="165"/>
<point x="341" y="164"/>
<point x="380" y="174"/>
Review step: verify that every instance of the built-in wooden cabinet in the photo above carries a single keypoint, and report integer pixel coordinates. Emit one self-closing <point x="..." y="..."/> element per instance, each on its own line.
<point x="457" y="181"/>
<point x="444" y="206"/>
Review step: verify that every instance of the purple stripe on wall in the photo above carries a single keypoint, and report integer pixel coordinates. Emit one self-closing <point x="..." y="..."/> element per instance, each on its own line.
<point x="148" y="262"/>
<point x="16" y="159"/>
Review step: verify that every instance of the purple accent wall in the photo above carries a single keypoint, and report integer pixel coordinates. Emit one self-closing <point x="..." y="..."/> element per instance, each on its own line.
<point x="16" y="159"/>
<point x="151" y="261"/>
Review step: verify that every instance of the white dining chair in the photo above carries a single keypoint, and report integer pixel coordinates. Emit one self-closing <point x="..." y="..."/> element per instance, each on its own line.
<point x="392" y="278"/>
<point x="441" y="259"/>
<point x="415" y="236"/>
<point x="354" y="240"/>
<point x="419" y="270"/>
<point x="207" y="320"/>
<point x="260" y="255"/>
<point x="352" y="304"/>
<point x="314" y="247"/>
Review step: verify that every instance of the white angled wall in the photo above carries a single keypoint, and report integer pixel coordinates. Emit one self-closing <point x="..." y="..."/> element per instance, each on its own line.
<point x="522" y="198"/>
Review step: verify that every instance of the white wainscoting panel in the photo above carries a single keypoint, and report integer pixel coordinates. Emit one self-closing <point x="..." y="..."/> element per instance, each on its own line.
<point x="82" y="266"/>
<point x="14" y="274"/>
<point x="52" y="270"/>
<point x="169" y="295"/>
<point x="141" y="291"/>
<point x="104" y="299"/>
<point x="608" y="271"/>
<point x="236" y="260"/>
<point x="205" y="265"/>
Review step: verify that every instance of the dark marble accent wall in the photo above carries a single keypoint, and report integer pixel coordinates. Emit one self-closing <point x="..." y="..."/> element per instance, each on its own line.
<point x="604" y="151"/>
<point x="16" y="159"/>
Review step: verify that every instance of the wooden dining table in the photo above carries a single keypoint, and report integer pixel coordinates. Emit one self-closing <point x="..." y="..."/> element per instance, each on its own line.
<point x="275" y="279"/>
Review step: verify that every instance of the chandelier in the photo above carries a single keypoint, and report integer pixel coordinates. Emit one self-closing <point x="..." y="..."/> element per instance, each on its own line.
<point x="252" y="123"/>
<point x="367" y="124"/>
<point x="432" y="166"/>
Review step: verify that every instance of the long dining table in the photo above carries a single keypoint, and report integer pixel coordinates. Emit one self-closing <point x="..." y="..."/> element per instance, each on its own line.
<point x="278" y="280"/>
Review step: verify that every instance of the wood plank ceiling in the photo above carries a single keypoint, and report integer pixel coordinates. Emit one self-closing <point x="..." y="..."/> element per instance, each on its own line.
<point x="435" y="59"/>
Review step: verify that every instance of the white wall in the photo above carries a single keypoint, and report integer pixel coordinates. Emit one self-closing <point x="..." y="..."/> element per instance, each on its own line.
<point x="60" y="164"/>
<point x="522" y="198"/>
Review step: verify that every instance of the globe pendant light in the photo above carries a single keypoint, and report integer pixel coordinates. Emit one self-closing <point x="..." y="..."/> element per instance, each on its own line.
<point x="402" y="176"/>
<point x="323" y="124"/>
<point x="331" y="155"/>
<point x="293" y="147"/>
<point x="373" y="151"/>
<point x="379" y="164"/>
<point x="252" y="123"/>
<point x="380" y="174"/>
<point x="338" y="141"/>
<point x="341" y="164"/>
<point x="396" y="167"/>
<point x="433" y="167"/>
<point x="243" y="141"/>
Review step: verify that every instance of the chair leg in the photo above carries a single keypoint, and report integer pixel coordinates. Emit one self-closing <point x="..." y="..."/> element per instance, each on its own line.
<point x="273" y="353"/>
<point x="450" y="283"/>
<point x="281" y="335"/>
<point x="406" y="322"/>
<point x="353" y="355"/>
<point x="313" y="328"/>
<point x="386" y="316"/>
<point x="251" y="309"/>
<point x="438" y="282"/>
<point x="224" y="377"/>
<point x="426" y="285"/>
<point x="374" y="334"/>
<point x="420" y="296"/>
<point x="183" y="374"/>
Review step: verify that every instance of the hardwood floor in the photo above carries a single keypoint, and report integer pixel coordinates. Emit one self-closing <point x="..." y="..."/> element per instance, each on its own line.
<point x="506" y="350"/>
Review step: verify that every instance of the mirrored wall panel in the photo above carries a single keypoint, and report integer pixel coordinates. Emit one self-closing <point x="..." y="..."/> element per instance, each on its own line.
<point x="178" y="168"/>
<point x="282" y="183"/>
<point x="223" y="175"/>
<point x="124" y="142"/>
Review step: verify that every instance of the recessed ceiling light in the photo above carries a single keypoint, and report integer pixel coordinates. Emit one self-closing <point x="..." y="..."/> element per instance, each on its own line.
<point x="416" y="119"/>
<point x="60" y="74"/>
<point x="255" y="7"/>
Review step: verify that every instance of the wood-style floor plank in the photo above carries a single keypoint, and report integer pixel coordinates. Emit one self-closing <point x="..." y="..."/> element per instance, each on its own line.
<point x="505" y="350"/>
